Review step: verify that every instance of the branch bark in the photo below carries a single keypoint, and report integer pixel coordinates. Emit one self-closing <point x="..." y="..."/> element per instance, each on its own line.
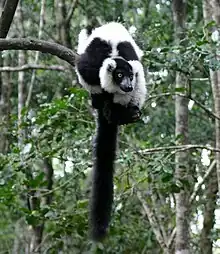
<point x="7" y="17"/>
<point x="52" y="48"/>
<point x="27" y="67"/>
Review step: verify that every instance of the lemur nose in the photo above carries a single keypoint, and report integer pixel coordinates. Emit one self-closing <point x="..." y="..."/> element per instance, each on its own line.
<point x="129" y="88"/>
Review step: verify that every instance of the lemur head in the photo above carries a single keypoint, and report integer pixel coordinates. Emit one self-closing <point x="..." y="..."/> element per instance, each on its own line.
<point x="122" y="75"/>
<point x="117" y="76"/>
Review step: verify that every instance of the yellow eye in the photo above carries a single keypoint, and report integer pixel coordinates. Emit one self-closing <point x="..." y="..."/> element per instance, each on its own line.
<point x="120" y="75"/>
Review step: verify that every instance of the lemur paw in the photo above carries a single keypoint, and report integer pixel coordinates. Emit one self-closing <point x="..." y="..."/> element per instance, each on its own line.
<point x="131" y="114"/>
<point x="135" y="113"/>
<point x="110" y="64"/>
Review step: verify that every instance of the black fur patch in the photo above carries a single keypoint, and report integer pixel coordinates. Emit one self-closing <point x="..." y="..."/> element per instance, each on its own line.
<point x="102" y="185"/>
<point x="127" y="51"/>
<point x="98" y="100"/>
<point x="120" y="115"/>
<point x="91" y="61"/>
<point x="122" y="64"/>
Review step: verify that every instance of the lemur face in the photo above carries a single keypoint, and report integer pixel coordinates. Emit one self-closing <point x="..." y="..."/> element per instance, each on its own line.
<point x="123" y="75"/>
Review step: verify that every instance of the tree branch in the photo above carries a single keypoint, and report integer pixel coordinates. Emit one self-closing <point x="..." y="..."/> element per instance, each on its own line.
<point x="7" y="17"/>
<point x="205" y="177"/>
<point x="27" y="67"/>
<point x="39" y="45"/>
<point x="178" y="148"/>
<point x="49" y="172"/>
<point x="193" y="196"/>
<point x="171" y="239"/>
<point x="153" y="222"/>
<point x="71" y="11"/>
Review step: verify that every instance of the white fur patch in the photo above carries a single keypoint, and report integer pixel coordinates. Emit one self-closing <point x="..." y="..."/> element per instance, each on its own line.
<point x="122" y="99"/>
<point x="140" y="90"/>
<point x="89" y="88"/>
<point x="113" y="33"/>
<point x="105" y="75"/>
<point x="137" y="96"/>
<point x="82" y="41"/>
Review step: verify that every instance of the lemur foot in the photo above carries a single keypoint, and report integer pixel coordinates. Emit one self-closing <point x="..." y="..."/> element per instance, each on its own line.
<point x="120" y="115"/>
<point x="130" y="114"/>
<point x="135" y="113"/>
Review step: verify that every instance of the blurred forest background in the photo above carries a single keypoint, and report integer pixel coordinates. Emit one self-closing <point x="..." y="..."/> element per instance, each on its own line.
<point x="168" y="165"/>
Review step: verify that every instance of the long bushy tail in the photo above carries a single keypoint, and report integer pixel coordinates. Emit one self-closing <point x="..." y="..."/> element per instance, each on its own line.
<point x="102" y="185"/>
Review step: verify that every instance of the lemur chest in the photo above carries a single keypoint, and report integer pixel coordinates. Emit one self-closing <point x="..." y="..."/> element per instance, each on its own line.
<point x="122" y="99"/>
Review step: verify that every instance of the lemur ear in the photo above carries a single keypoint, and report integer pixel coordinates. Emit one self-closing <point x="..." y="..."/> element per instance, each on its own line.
<point x="109" y="64"/>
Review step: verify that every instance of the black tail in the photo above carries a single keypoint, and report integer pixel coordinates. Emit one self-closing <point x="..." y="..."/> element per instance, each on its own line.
<point x="102" y="186"/>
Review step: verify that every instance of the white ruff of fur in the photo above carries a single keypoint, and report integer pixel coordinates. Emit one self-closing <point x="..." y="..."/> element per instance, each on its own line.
<point x="113" y="33"/>
<point x="106" y="76"/>
<point x="140" y="90"/>
<point x="137" y="96"/>
<point x="108" y="85"/>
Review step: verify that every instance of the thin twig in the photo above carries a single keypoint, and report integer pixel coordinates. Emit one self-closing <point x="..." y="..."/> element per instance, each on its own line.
<point x="177" y="147"/>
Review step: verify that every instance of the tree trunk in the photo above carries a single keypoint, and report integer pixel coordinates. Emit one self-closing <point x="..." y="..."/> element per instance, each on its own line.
<point x="7" y="13"/>
<point x="63" y="25"/>
<point x="211" y="11"/>
<point x="7" y="16"/>
<point x="181" y="171"/>
<point x="181" y="159"/>
<point x="209" y="214"/>
<point x="5" y="105"/>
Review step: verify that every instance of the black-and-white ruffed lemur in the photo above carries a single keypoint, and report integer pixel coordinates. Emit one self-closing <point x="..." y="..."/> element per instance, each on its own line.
<point x="109" y="68"/>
